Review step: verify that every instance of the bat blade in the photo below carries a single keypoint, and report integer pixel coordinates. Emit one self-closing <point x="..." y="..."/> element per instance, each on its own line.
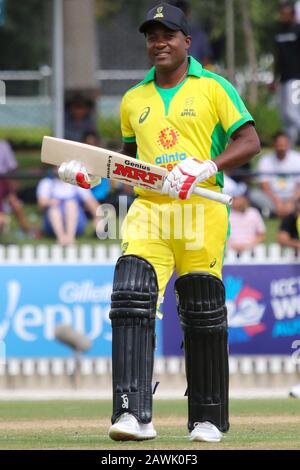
<point x="103" y="162"/>
<point x="114" y="165"/>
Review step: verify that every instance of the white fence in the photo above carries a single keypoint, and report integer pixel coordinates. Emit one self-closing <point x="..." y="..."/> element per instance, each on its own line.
<point x="108" y="254"/>
<point x="259" y="365"/>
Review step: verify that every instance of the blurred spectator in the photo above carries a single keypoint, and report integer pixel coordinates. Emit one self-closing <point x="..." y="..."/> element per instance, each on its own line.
<point x="297" y="11"/>
<point x="231" y="187"/>
<point x="63" y="209"/>
<point x="287" y="69"/>
<point x="7" y="158"/>
<point x="289" y="230"/>
<point x="9" y="200"/>
<point x="247" y="228"/>
<point x="200" y="47"/>
<point x="279" y="191"/>
<point x="79" y="118"/>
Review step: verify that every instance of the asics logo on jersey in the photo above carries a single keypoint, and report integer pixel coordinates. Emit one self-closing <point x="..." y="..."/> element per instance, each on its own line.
<point x="144" y="114"/>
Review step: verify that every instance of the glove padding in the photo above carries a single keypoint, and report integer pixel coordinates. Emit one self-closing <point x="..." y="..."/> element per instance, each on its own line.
<point x="181" y="181"/>
<point x="74" y="172"/>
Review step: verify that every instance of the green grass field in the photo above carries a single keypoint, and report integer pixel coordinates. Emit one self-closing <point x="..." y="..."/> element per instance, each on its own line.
<point x="255" y="424"/>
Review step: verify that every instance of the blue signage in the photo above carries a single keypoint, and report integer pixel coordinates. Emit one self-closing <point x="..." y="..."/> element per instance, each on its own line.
<point x="35" y="299"/>
<point x="263" y="303"/>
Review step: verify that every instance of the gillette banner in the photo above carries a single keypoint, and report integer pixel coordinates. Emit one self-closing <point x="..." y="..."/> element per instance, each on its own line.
<point x="263" y="309"/>
<point x="263" y="304"/>
<point x="35" y="299"/>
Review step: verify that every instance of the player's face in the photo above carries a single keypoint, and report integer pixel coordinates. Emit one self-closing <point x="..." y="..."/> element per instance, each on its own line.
<point x="166" y="49"/>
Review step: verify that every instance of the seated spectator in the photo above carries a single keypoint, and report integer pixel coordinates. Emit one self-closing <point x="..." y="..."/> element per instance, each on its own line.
<point x="79" y="118"/>
<point x="278" y="191"/>
<point x="231" y="186"/>
<point x="247" y="228"/>
<point x="63" y="208"/>
<point x="289" y="230"/>
<point x="9" y="200"/>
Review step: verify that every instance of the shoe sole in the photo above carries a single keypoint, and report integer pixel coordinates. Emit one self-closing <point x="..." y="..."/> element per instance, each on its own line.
<point x="117" y="435"/>
<point x="204" y="440"/>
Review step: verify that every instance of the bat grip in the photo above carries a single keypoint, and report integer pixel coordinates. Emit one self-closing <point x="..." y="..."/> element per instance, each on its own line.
<point x="214" y="196"/>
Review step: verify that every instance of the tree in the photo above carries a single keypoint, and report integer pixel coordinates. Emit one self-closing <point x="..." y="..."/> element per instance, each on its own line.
<point x="25" y="37"/>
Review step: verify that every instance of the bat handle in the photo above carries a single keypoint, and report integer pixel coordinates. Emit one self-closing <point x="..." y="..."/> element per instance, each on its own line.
<point x="214" y="196"/>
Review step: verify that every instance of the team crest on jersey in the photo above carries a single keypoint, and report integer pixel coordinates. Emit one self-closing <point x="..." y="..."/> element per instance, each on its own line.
<point x="188" y="108"/>
<point x="159" y="13"/>
<point x="168" y="137"/>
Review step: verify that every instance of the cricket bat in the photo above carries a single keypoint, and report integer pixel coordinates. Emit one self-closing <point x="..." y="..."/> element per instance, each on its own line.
<point x="113" y="165"/>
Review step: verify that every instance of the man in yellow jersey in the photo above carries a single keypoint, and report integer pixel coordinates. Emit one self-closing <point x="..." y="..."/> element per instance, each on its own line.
<point x="180" y="117"/>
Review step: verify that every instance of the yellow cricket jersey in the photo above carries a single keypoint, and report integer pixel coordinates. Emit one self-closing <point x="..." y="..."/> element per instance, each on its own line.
<point x="194" y="119"/>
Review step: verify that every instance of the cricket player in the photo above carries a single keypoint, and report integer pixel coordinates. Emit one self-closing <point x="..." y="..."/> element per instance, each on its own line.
<point x="181" y="117"/>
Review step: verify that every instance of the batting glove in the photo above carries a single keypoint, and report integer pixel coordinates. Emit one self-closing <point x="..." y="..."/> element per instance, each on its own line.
<point x="74" y="172"/>
<point x="181" y="181"/>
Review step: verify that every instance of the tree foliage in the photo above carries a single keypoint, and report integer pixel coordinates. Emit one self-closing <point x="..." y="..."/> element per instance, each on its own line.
<point x="24" y="38"/>
<point x="211" y="15"/>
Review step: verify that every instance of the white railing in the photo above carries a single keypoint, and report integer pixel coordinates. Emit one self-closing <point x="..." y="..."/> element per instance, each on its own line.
<point x="55" y="254"/>
<point x="243" y="365"/>
<point x="108" y="254"/>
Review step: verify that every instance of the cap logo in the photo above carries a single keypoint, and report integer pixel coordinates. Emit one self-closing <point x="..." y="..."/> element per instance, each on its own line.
<point x="159" y="13"/>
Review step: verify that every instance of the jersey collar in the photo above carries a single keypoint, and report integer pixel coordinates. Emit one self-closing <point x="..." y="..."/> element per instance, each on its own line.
<point x="195" y="69"/>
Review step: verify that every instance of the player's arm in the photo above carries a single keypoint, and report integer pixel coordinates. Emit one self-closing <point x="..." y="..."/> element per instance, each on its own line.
<point x="181" y="181"/>
<point x="237" y="124"/>
<point x="129" y="149"/>
<point x="244" y="145"/>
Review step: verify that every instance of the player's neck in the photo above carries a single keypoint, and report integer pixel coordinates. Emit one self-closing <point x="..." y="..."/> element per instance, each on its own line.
<point x="171" y="79"/>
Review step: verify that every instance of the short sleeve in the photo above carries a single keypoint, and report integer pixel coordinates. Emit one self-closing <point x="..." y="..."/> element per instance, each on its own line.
<point x="9" y="162"/>
<point x="230" y="108"/>
<point x="128" y="134"/>
<point x="264" y="166"/>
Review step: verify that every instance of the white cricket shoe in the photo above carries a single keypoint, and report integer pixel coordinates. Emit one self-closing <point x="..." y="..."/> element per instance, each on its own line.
<point x="295" y="391"/>
<point x="205" y="432"/>
<point x="127" y="428"/>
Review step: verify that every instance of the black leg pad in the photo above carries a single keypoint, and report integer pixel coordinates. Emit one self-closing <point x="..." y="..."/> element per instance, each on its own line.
<point x="133" y="309"/>
<point x="203" y="317"/>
